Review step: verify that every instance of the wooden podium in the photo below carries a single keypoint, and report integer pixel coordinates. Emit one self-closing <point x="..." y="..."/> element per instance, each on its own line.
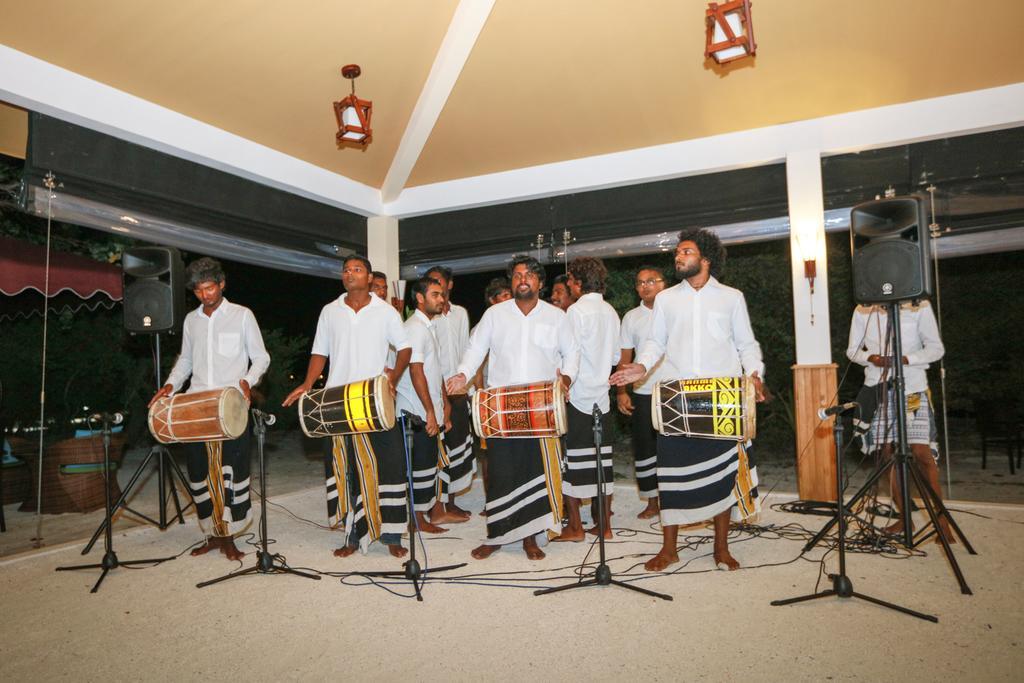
<point x="814" y="387"/>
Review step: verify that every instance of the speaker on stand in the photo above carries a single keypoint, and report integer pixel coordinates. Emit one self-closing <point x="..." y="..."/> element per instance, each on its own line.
<point x="891" y="249"/>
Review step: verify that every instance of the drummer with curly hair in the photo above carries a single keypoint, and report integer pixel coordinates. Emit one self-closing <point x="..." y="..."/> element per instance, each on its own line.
<point x="221" y="346"/>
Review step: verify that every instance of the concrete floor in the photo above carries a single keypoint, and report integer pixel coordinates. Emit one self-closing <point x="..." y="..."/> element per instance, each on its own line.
<point x="153" y="624"/>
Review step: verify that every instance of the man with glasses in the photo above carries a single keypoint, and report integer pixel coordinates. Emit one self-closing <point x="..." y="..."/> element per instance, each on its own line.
<point x="636" y="327"/>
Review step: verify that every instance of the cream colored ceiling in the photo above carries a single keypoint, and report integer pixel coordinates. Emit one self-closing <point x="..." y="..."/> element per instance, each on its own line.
<point x="547" y="80"/>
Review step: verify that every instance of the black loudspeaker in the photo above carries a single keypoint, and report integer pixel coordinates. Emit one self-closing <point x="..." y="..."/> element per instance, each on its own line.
<point x="889" y="241"/>
<point x="154" y="294"/>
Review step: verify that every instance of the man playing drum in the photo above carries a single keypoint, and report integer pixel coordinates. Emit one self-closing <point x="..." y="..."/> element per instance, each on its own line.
<point x="702" y="329"/>
<point x="595" y="324"/>
<point x="366" y="485"/>
<point x="452" y="330"/>
<point x="221" y="346"/>
<point x="421" y="392"/>
<point x="529" y="341"/>
<point x="636" y="326"/>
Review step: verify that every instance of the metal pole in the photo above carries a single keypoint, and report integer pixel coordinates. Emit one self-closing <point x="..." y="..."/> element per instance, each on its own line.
<point x="933" y="229"/>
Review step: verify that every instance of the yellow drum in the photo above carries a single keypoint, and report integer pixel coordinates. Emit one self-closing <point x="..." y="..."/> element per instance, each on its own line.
<point x="711" y="408"/>
<point x="364" y="406"/>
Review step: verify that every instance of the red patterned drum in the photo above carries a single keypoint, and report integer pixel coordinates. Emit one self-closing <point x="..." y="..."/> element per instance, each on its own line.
<point x="520" y="411"/>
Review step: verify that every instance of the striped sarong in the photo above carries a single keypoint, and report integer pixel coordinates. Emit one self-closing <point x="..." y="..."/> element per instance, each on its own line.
<point x="580" y="479"/>
<point x="367" y="490"/>
<point x="524" y="489"/>
<point x="645" y="459"/>
<point x="459" y="462"/>
<point x="700" y="478"/>
<point x="218" y="475"/>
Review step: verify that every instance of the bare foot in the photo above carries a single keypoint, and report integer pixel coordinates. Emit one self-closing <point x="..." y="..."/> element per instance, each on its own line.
<point x="724" y="559"/>
<point x="454" y="509"/>
<point x="397" y="551"/>
<point x="607" y="532"/>
<point x="651" y="511"/>
<point x="570" y="535"/>
<point x="424" y="525"/>
<point x="345" y="551"/>
<point x="533" y="552"/>
<point x="663" y="559"/>
<point x="484" y="551"/>
<point x="211" y="543"/>
<point x="229" y="550"/>
<point x="446" y="517"/>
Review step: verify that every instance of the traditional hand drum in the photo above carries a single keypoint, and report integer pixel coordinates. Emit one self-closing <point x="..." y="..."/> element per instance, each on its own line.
<point x="520" y="411"/>
<point x="711" y="408"/>
<point x="215" y="415"/>
<point x="364" y="406"/>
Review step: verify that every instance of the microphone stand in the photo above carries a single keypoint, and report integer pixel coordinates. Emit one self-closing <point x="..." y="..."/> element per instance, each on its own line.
<point x="411" y="568"/>
<point x="603" y="573"/>
<point x="265" y="561"/>
<point x="110" y="560"/>
<point x="842" y="587"/>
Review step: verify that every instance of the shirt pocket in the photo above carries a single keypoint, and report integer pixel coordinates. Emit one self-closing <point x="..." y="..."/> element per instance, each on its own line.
<point x="719" y="327"/>
<point x="545" y="336"/>
<point x="228" y="343"/>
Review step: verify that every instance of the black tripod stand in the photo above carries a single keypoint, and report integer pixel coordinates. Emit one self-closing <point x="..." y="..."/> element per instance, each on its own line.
<point x="907" y="471"/>
<point x="842" y="587"/>
<point x="164" y="464"/>
<point x="411" y="567"/>
<point x="110" y="560"/>
<point x="264" y="560"/>
<point x="603" y="573"/>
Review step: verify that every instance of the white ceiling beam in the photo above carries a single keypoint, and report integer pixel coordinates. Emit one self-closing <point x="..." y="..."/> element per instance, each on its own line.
<point x="929" y="119"/>
<point x="33" y="84"/>
<point x="467" y="22"/>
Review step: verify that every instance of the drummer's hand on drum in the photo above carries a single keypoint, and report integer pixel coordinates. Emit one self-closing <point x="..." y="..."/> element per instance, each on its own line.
<point x="432" y="428"/>
<point x="246" y="391"/>
<point x="456" y="384"/>
<point x="297" y="392"/>
<point x="165" y="390"/>
<point x="758" y="388"/>
<point x="627" y="374"/>
<point x="566" y="383"/>
<point x="625" y="403"/>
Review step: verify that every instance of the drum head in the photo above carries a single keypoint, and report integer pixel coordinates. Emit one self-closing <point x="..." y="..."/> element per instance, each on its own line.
<point x="558" y="407"/>
<point x="158" y="420"/>
<point x="478" y="398"/>
<point x="234" y="413"/>
<point x="656" y="407"/>
<point x="385" y="402"/>
<point x="749" y="408"/>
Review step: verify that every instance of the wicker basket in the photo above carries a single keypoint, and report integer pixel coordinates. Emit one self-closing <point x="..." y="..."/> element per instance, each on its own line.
<point x="73" y="475"/>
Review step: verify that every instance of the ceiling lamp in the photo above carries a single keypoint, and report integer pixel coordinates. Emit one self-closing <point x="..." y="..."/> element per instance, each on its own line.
<point x="730" y="32"/>
<point x="352" y="113"/>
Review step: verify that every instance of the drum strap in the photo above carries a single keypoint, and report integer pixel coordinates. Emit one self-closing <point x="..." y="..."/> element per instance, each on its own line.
<point x="215" y="485"/>
<point x="551" y="454"/>
<point x="744" y="484"/>
<point x="366" y="471"/>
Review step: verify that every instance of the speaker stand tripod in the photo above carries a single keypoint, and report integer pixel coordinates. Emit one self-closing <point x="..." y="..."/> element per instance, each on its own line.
<point x="907" y="471"/>
<point x="603" y="573"/>
<point x="265" y="563"/>
<point x="165" y="465"/>
<point x="842" y="587"/>
<point x="110" y="559"/>
<point x="411" y="570"/>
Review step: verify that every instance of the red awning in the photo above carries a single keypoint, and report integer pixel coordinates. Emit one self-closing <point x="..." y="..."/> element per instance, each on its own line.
<point x="23" y="266"/>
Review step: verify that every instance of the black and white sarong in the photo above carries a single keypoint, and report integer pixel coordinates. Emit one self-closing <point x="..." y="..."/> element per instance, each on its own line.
<point x="425" y="453"/>
<point x="459" y="463"/>
<point x="524" y="489"/>
<point x="699" y="478"/>
<point x="645" y="459"/>
<point x="218" y="474"/>
<point x="580" y="479"/>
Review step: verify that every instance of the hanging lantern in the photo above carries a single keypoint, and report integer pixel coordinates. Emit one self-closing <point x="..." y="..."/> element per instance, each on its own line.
<point x="730" y="33"/>
<point x="352" y="113"/>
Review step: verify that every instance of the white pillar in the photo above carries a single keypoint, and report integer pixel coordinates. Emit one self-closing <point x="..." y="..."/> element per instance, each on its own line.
<point x="382" y="244"/>
<point x="807" y="241"/>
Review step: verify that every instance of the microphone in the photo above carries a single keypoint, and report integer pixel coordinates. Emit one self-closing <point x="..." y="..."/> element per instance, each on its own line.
<point x="824" y="413"/>
<point x="112" y="418"/>
<point x="413" y="419"/>
<point x="268" y="418"/>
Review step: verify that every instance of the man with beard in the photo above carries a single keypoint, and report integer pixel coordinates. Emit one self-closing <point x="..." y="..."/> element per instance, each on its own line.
<point x="561" y="296"/>
<point x="365" y="473"/>
<point x="702" y="329"/>
<point x="529" y="341"/>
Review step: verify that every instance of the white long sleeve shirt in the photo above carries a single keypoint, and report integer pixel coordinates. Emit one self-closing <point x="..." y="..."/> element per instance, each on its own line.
<point x="595" y="324"/>
<point x="452" y="331"/>
<point x="356" y="344"/>
<point x="523" y="348"/>
<point x="919" y="334"/>
<point x="702" y="333"/>
<point x="219" y="350"/>
<point x="636" y="327"/>
<point x="425" y="350"/>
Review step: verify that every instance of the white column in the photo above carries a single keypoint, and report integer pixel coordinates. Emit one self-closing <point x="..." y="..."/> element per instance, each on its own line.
<point x="807" y="241"/>
<point x="382" y="244"/>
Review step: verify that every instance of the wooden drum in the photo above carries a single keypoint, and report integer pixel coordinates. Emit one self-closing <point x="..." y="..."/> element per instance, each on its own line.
<point x="520" y="411"/>
<point x="364" y="406"/>
<point x="215" y="415"/>
<point x="711" y="408"/>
